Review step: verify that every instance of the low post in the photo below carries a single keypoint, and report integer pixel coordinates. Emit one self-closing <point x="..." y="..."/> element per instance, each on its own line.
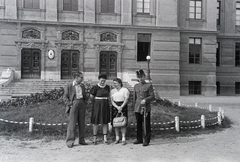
<point x="177" y="123"/>
<point x="219" y="118"/>
<point x="203" y="121"/>
<point x="179" y="103"/>
<point x="31" y="122"/>
<point x="196" y="105"/>
<point x="210" y="107"/>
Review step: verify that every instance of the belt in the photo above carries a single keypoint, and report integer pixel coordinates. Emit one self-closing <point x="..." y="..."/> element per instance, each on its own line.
<point x="101" y="98"/>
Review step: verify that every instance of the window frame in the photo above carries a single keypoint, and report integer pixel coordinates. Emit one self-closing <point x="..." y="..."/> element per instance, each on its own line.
<point x="195" y="46"/>
<point x="142" y="8"/>
<point x="219" y="13"/>
<point x="237" y="87"/>
<point x="195" y="87"/>
<point x="71" y="5"/>
<point x="143" y="45"/>
<point x="237" y="56"/>
<point x="108" y="6"/>
<point x="218" y="88"/>
<point x="238" y="14"/>
<point x="31" y="3"/>
<point x="194" y="12"/>
<point x="218" y="54"/>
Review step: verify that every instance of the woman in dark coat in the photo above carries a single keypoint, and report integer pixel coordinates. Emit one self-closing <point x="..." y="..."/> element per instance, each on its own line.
<point x="101" y="109"/>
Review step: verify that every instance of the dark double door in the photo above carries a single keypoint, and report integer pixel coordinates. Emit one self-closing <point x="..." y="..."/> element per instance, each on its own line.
<point x="69" y="63"/>
<point x="31" y="64"/>
<point x="108" y="64"/>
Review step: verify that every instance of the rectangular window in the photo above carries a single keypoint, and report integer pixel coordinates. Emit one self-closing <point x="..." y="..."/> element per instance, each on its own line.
<point x="218" y="87"/>
<point x="143" y="6"/>
<point x="195" y="87"/>
<point x="237" y="54"/>
<point x="31" y="4"/>
<point x="218" y="54"/>
<point x="70" y="5"/>
<point x="143" y="46"/>
<point x="237" y="87"/>
<point x="107" y="6"/>
<point x="195" y="9"/>
<point x="218" y="13"/>
<point x="237" y="13"/>
<point x="195" y="45"/>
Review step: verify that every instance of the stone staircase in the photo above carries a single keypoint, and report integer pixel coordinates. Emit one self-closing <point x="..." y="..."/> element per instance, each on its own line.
<point x="27" y="87"/>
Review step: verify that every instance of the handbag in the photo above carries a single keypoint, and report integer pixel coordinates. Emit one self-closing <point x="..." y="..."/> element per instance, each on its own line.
<point x="119" y="121"/>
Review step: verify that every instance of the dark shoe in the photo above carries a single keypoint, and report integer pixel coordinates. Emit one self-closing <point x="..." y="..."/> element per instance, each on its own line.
<point x="70" y="145"/>
<point x="105" y="142"/>
<point x="116" y="142"/>
<point x="137" y="142"/>
<point x="83" y="143"/>
<point x="95" y="142"/>
<point x="145" y="144"/>
<point x="124" y="143"/>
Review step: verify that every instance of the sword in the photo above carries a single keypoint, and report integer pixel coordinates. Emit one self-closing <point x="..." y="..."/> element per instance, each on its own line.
<point x="144" y="119"/>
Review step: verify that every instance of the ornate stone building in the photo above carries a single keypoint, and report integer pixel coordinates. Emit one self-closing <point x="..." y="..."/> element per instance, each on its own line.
<point x="50" y="39"/>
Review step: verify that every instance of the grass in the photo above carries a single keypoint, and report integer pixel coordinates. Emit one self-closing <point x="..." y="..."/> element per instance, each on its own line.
<point x="53" y="111"/>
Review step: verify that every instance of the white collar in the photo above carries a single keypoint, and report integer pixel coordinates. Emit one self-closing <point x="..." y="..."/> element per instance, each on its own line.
<point x="102" y="86"/>
<point x="75" y="83"/>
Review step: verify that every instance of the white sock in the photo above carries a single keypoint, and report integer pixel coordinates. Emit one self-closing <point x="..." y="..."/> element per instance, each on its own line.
<point x="117" y="138"/>
<point x="105" y="137"/>
<point x="123" y="138"/>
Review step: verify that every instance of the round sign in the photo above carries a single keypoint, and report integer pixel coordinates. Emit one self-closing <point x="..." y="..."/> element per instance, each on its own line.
<point x="51" y="54"/>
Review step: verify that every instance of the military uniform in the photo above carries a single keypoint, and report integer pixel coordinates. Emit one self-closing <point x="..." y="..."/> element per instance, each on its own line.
<point x="143" y="91"/>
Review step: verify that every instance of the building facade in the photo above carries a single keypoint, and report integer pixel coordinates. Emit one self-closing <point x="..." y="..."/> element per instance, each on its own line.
<point x="192" y="43"/>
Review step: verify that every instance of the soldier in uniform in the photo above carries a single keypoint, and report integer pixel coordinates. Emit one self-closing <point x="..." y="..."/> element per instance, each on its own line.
<point x="142" y="96"/>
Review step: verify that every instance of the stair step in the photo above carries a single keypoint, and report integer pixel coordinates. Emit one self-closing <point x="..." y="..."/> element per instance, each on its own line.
<point x="27" y="87"/>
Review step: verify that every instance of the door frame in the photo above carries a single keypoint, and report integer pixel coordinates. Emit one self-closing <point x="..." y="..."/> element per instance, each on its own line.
<point x="108" y="53"/>
<point x="79" y="60"/>
<point x="40" y="60"/>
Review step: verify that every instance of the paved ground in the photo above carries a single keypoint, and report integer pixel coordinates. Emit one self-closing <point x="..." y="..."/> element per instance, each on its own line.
<point x="218" y="147"/>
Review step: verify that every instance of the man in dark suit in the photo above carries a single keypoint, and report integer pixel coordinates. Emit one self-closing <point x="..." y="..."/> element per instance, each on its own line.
<point x="142" y="96"/>
<point x="75" y="97"/>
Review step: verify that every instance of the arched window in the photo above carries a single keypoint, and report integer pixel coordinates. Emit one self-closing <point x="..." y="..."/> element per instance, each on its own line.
<point x="31" y="34"/>
<point x="108" y="37"/>
<point x="70" y="35"/>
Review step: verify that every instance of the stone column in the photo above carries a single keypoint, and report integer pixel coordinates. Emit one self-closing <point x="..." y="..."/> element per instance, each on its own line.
<point x="11" y="9"/>
<point x="51" y="10"/>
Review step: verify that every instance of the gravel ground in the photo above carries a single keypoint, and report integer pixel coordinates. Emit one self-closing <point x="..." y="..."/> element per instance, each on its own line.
<point x="218" y="147"/>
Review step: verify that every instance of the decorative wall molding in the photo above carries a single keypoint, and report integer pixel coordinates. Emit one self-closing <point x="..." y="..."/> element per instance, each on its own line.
<point x="109" y="47"/>
<point x="30" y="43"/>
<point x="71" y="45"/>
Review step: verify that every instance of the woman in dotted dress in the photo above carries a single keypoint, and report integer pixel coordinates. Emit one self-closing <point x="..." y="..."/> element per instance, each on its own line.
<point x="101" y="109"/>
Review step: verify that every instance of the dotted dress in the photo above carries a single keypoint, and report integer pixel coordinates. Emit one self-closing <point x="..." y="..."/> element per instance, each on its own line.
<point x="101" y="108"/>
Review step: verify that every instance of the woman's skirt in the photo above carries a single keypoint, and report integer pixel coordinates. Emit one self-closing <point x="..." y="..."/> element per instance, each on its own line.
<point x="100" y="112"/>
<point x="115" y="111"/>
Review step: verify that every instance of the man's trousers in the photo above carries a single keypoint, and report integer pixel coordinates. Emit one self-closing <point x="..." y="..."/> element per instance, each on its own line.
<point x="76" y="115"/>
<point x="140" y="127"/>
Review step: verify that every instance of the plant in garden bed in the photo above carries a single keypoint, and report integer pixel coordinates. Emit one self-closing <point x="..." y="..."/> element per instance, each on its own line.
<point x="49" y="108"/>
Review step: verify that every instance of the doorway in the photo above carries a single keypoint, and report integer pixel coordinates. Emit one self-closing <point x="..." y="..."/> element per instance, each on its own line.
<point x="31" y="64"/>
<point x="108" y="64"/>
<point x="69" y="63"/>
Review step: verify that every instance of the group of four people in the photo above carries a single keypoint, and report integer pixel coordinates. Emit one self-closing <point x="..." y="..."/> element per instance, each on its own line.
<point x="75" y="98"/>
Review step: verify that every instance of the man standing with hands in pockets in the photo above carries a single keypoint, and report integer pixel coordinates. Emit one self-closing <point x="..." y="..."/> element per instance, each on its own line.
<point x="142" y="96"/>
<point x="75" y="97"/>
